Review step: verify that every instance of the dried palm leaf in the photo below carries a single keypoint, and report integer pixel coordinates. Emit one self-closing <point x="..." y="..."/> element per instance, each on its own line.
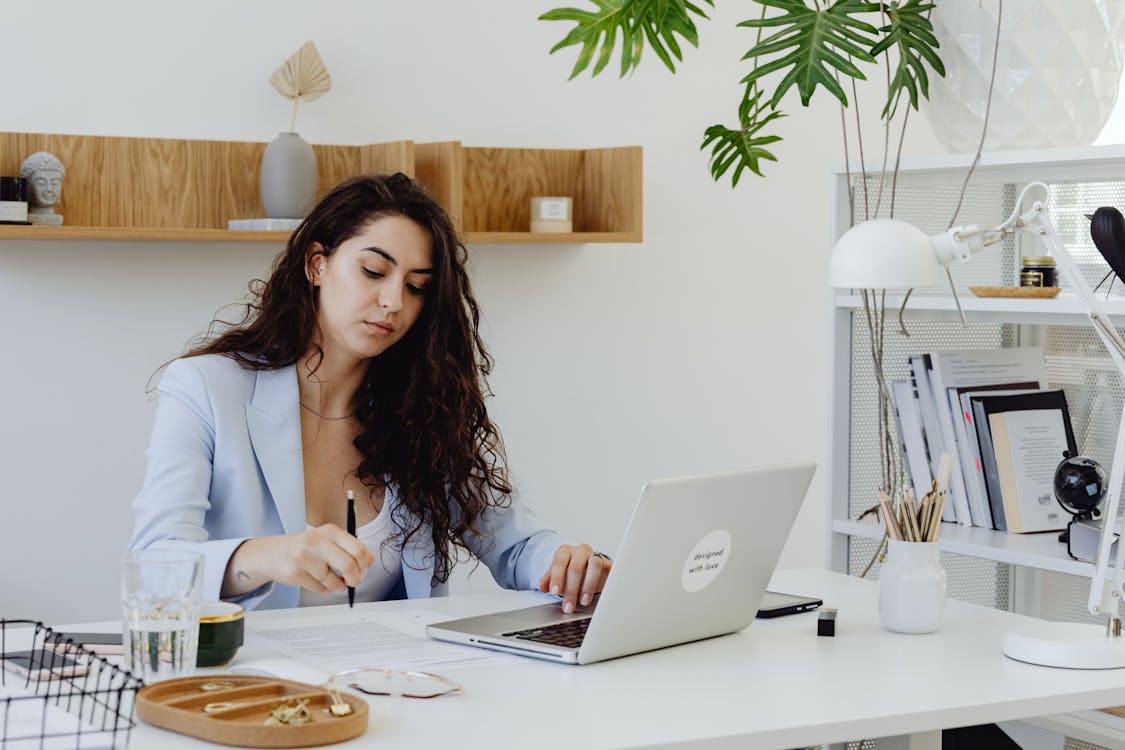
<point x="302" y="76"/>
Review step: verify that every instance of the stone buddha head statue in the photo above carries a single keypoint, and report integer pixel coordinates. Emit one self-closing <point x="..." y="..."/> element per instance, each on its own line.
<point x="43" y="175"/>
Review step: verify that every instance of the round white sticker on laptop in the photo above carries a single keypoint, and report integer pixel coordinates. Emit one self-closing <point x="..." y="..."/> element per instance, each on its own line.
<point x="706" y="560"/>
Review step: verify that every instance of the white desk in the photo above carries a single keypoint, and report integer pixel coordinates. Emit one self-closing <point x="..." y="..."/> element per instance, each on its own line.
<point x="775" y="685"/>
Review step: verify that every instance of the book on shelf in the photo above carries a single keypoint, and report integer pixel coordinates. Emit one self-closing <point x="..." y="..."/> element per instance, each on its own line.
<point x="963" y="369"/>
<point x="968" y="444"/>
<point x="920" y="367"/>
<point x="914" y="447"/>
<point x="1029" y="436"/>
<point x="983" y="406"/>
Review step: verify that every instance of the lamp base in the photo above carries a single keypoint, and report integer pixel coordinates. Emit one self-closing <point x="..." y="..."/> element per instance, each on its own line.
<point x="1070" y="645"/>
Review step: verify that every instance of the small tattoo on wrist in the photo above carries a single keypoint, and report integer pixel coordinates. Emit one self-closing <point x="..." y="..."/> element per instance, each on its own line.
<point x="241" y="576"/>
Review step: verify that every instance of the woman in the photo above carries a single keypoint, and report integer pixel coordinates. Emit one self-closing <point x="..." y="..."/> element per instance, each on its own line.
<point x="358" y="368"/>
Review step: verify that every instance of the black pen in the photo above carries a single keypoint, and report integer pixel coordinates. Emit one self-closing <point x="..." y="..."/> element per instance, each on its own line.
<point x="351" y="530"/>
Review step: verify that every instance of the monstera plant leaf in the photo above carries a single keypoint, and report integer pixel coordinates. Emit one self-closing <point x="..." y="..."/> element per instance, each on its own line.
<point x="912" y="35"/>
<point x="658" y="22"/>
<point x="817" y="44"/>
<point x="808" y="45"/>
<point x="742" y="147"/>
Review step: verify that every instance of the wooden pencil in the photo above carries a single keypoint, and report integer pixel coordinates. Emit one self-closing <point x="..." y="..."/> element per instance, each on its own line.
<point x="914" y="533"/>
<point x="888" y="517"/>
<point x="936" y="526"/>
<point x="944" y="469"/>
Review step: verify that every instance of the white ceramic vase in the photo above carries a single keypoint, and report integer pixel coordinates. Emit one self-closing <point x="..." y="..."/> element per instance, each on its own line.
<point x="288" y="177"/>
<point x="1057" y="72"/>
<point x="912" y="587"/>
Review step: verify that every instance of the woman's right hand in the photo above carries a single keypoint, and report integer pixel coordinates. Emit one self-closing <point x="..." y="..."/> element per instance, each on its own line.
<point x="321" y="559"/>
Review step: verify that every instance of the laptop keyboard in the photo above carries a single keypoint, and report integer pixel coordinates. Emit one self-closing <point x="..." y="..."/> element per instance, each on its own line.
<point x="567" y="634"/>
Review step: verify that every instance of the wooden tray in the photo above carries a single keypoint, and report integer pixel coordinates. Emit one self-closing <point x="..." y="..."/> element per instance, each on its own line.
<point x="1038" y="292"/>
<point x="178" y="705"/>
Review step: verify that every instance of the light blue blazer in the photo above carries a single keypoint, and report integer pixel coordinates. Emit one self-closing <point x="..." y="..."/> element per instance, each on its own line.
<point x="225" y="465"/>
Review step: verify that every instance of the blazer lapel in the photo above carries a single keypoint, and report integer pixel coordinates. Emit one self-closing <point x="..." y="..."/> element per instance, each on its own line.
<point x="274" y="425"/>
<point x="417" y="554"/>
<point x="418" y="566"/>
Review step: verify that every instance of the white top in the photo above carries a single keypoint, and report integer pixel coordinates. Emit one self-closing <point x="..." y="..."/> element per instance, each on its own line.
<point x="383" y="574"/>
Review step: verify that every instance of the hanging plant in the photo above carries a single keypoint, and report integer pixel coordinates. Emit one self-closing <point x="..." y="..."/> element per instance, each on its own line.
<point x="809" y="44"/>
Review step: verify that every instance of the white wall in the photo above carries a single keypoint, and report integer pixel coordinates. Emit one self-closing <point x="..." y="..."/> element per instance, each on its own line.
<point x="702" y="348"/>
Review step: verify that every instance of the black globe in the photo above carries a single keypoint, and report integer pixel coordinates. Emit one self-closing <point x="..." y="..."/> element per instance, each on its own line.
<point x="1079" y="485"/>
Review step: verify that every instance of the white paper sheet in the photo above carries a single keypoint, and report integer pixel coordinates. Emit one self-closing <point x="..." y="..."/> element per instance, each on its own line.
<point x="335" y="647"/>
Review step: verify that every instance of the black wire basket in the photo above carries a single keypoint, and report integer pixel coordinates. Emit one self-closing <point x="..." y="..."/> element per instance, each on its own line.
<point x="55" y="693"/>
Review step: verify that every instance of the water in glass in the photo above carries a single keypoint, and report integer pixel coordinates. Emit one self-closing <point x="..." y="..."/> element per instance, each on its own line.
<point x="160" y="600"/>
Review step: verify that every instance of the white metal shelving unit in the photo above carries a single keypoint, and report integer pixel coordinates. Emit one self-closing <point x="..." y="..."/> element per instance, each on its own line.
<point x="1029" y="573"/>
<point x="1081" y="179"/>
<point x="1026" y="572"/>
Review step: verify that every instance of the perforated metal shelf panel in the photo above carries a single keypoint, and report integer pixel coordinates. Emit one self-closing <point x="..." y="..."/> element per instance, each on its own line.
<point x="1073" y="744"/>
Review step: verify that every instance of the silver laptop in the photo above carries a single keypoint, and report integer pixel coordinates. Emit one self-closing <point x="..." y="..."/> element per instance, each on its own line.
<point x="695" y="561"/>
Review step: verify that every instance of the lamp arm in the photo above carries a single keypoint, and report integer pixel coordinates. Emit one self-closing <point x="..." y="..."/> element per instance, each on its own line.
<point x="959" y="243"/>
<point x="1105" y="591"/>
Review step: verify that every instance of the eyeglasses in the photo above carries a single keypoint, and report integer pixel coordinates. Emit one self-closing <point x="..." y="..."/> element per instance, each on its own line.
<point x="377" y="681"/>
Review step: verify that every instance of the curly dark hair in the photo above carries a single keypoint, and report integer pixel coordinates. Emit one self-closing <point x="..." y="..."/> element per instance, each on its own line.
<point x="421" y="404"/>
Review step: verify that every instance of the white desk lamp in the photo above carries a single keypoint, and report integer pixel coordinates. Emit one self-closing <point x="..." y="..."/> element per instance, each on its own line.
<point x="888" y="253"/>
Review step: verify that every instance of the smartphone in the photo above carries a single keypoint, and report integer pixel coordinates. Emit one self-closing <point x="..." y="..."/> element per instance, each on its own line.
<point x="42" y="664"/>
<point x="98" y="643"/>
<point x="775" y="604"/>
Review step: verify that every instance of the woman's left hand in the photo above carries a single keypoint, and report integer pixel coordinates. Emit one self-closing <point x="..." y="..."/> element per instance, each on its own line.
<point x="576" y="574"/>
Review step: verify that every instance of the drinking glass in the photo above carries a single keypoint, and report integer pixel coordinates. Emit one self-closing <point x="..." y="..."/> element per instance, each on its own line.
<point x="160" y="597"/>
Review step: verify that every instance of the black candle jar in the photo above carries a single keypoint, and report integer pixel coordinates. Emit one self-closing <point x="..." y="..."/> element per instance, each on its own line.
<point x="13" y="204"/>
<point x="1038" y="271"/>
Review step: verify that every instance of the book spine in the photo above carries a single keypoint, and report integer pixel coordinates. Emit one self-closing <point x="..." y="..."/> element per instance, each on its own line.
<point x="919" y="366"/>
<point x="988" y="466"/>
<point x="1005" y="470"/>
<point x="977" y="502"/>
<point x="975" y="469"/>
<point x="913" y="441"/>
<point x="949" y="445"/>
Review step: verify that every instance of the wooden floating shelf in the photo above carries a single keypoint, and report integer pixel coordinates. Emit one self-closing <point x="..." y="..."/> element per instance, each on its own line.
<point x="161" y="190"/>
<point x="146" y="234"/>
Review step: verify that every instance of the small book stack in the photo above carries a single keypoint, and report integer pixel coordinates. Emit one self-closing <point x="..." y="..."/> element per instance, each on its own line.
<point x="1005" y="430"/>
